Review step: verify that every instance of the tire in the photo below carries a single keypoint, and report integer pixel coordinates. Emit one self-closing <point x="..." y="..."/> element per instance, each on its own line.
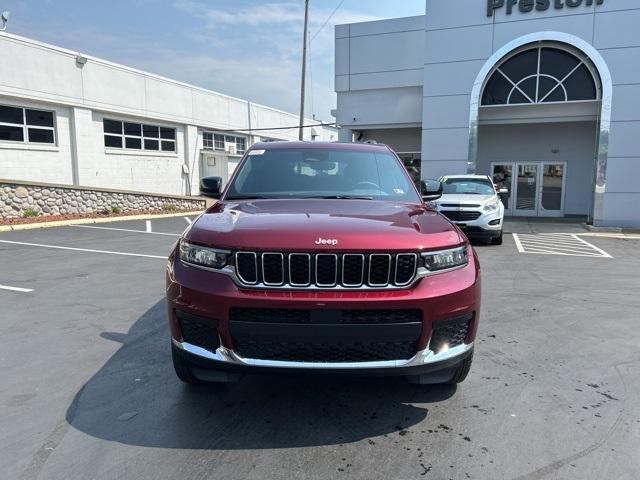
<point x="462" y="371"/>
<point x="497" y="240"/>
<point x="183" y="369"/>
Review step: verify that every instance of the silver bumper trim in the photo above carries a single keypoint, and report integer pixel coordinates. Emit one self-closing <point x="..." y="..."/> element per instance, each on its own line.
<point x="225" y="355"/>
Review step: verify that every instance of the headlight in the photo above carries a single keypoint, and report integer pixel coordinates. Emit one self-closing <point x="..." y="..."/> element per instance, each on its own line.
<point x="203" y="256"/>
<point x="445" y="259"/>
<point x="492" y="206"/>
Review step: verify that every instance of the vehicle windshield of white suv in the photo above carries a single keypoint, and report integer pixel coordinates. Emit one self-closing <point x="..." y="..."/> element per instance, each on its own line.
<point x="467" y="186"/>
<point x="322" y="173"/>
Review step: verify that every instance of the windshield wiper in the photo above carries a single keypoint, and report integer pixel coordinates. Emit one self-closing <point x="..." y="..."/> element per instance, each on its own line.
<point x="342" y="197"/>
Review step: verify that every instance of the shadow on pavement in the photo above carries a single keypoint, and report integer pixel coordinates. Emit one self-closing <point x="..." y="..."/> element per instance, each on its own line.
<point x="136" y="399"/>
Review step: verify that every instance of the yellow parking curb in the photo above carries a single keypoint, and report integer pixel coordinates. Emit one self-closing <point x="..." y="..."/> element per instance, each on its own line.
<point x="80" y="221"/>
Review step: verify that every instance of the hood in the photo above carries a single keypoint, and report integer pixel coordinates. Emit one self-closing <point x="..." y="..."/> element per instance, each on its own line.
<point x="301" y="225"/>
<point x="466" y="199"/>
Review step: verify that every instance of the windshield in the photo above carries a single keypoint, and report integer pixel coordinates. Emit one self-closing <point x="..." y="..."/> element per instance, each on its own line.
<point x="322" y="173"/>
<point x="467" y="186"/>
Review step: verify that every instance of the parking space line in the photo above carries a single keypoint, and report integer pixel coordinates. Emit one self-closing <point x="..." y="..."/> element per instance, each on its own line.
<point x="566" y="244"/>
<point x="16" y="289"/>
<point x="125" y="230"/>
<point x="148" y="226"/>
<point x="89" y="250"/>
<point x="188" y="220"/>
<point x="516" y="239"/>
<point x="604" y="254"/>
<point x="553" y="246"/>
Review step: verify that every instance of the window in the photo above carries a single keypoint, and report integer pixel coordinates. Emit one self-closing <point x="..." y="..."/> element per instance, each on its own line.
<point x="26" y="125"/>
<point x="218" y="141"/>
<point x="138" y="136"/>
<point x="541" y="75"/>
<point x="241" y="144"/>
<point x="322" y="173"/>
<point x="467" y="186"/>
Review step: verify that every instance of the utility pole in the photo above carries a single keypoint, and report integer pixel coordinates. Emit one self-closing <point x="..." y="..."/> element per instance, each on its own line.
<point x="304" y="68"/>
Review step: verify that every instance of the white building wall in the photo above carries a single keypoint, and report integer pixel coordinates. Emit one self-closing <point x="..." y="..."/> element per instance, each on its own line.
<point x="47" y="77"/>
<point x="617" y="38"/>
<point x="379" y="73"/>
<point x="378" y="79"/>
<point x="458" y="43"/>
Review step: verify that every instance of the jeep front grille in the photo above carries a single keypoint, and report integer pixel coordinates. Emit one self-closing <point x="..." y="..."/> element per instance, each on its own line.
<point x="326" y="270"/>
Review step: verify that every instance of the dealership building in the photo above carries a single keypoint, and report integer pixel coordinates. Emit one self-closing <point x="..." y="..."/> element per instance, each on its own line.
<point x="71" y="119"/>
<point x="542" y="95"/>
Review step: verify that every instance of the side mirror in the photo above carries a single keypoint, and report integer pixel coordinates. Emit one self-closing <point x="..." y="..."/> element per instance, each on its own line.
<point x="211" y="187"/>
<point x="431" y="190"/>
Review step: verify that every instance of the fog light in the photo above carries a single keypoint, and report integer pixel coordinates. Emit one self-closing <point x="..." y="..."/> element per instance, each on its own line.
<point x="495" y="222"/>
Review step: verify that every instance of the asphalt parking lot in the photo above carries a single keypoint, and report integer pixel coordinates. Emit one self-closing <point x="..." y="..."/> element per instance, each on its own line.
<point x="88" y="390"/>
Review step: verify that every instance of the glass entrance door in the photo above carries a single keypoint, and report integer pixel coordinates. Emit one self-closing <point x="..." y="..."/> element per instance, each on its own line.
<point x="526" y="203"/>
<point x="552" y="185"/>
<point x="502" y="175"/>
<point x="531" y="189"/>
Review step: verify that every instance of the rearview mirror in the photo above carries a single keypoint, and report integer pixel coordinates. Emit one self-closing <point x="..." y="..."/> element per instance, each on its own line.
<point x="431" y="189"/>
<point x="211" y="187"/>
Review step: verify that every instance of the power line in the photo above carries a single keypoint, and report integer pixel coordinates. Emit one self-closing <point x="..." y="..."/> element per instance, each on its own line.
<point x="327" y="20"/>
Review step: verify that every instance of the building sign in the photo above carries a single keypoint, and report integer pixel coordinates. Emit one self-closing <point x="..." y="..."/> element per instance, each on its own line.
<point x="526" y="6"/>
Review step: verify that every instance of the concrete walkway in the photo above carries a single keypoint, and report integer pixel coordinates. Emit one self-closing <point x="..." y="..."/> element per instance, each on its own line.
<point x="577" y="226"/>
<point x="544" y="225"/>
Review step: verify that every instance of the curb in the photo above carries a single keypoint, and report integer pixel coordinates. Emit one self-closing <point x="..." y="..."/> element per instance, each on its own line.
<point x="591" y="228"/>
<point x="80" y="221"/>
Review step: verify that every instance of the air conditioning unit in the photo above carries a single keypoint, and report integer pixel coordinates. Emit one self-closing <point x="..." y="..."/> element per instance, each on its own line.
<point x="231" y="148"/>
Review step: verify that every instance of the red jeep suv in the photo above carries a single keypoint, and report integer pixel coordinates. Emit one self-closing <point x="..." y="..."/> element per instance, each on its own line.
<point x="322" y="258"/>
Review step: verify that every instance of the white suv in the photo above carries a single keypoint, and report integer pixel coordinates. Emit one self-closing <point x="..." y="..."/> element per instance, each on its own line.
<point x="473" y="204"/>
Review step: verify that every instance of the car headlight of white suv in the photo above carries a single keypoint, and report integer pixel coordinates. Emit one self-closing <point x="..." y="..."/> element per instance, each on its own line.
<point x="492" y="206"/>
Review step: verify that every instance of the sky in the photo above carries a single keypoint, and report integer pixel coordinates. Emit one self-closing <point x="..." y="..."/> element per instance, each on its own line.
<point x="251" y="49"/>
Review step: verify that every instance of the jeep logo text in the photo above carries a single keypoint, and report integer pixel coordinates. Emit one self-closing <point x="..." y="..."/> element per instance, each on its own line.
<point x="326" y="241"/>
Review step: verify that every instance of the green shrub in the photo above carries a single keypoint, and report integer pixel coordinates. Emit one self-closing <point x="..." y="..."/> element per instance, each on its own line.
<point x="115" y="209"/>
<point x="169" y="207"/>
<point x="30" y="212"/>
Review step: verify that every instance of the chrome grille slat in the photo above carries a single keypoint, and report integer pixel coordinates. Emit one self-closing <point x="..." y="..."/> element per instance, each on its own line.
<point x="295" y="258"/>
<point x="405" y="265"/>
<point x="378" y="263"/>
<point x="299" y="270"/>
<point x="329" y="257"/>
<point x="351" y="261"/>
<point x="247" y="267"/>
<point x="273" y="269"/>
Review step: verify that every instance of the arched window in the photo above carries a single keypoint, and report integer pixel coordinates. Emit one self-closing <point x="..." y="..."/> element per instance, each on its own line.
<point x="542" y="74"/>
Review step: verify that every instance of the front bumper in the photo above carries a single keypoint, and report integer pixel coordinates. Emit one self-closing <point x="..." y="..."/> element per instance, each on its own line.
<point x="211" y="296"/>
<point x="487" y="225"/>
<point x="424" y="362"/>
